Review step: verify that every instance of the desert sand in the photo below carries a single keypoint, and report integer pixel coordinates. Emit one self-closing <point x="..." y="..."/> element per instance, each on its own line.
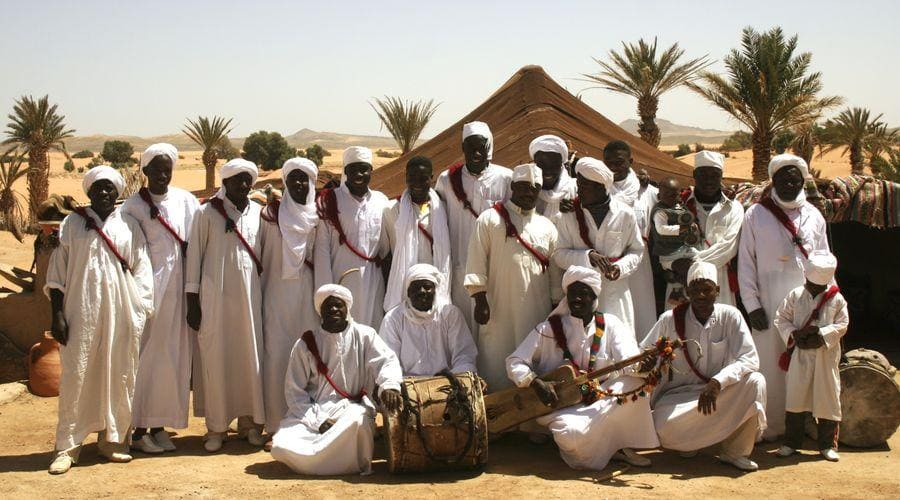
<point x="739" y="164"/>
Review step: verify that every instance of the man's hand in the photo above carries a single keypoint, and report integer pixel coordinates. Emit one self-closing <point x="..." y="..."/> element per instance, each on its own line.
<point x="194" y="313"/>
<point x="810" y="338"/>
<point x="566" y="206"/>
<point x="707" y="403"/>
<point x="758" y="319"/>
<point x="59" y="328"/>
<point x="328" y="424"/>
<point x="482" y="312"/>
<point x="545" y="392"/>
<point x="598" y="260"/>
<point x="613" y="272"/>
<point x="392" y="400"/>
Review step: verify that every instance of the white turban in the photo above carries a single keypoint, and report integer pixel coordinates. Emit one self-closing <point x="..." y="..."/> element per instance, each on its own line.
<point x="103" y="172"/>
<point x="529" y="173"/>
<point x="357" y="154"/>
<point x="786" y="160"/>
<point x="549" y="144"/>
<point x="422" y="272"/>
<point x="820" y="267"/>
<point x="700" y="270"/>
<point x="159" y="149"/>
<point x="595" y="170"/>
<point x="708" y="158"/>
<point x="296" y="221"/>
<point x="586" y="275"/>
<point x="482" y="129"/>
<point x="239" y="166"/>
<point x="332" y="290"/>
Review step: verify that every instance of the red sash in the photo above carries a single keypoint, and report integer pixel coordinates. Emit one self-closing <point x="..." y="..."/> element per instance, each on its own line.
<point x="782" y="217"/>
<point x="583" y="230"/>
<point x="92" y="225"/>
<point x="422" y="228"/>
<point x="559" y="336"/>
<point x="455" y="175"/>
<point x="144" y="193"/>
<point x="678" y="314"/>
<point x="326" y="205"/>
<point x="512" y="232"/>
<point x="230" y="226"/>
<point x="784" y="361"/>
<point x="730" y="268"/>
<point x="322" y="368"/>
<point x="270" y="214"/>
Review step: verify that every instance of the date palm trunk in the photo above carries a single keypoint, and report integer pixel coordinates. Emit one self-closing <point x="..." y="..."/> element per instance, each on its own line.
<point x="38" y="178"/>
<point x="857" y="161"/>
<point x="762" y="153"/>
<point x="647" y="128"/>
<point x="209" y="161"/>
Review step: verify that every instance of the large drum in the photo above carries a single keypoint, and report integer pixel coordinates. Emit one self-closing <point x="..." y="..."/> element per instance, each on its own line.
<point x="870" y="399"/>
<point x="443" y="425"/>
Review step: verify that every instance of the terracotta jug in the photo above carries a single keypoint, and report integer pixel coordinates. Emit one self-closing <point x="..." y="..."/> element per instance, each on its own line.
<point x="44" y="368"/>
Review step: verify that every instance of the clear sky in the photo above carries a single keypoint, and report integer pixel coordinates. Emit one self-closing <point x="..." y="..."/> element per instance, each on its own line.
<point x="141" y="68"/>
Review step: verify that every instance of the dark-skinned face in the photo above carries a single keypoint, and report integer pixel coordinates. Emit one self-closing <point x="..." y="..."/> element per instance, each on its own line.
<point x="524" y="194"/>
<point x="703" y="294"/>
<point x="159" y="174"/>
<point x="619" y="162"/>
<point x="358" y="175"/>
<point x="551" y="165"/>
<point x="814" y="289"/>
<point x="418" y="181"/>
<point x="589" y="192"/>
<point x="668" y="193"/>
<point x="237" y="187"/>
<point x="103" y="195"/>
<point x="643" y="177"/>
<point x="297" y="184"/>
<point x="788" y="182"/>
<point x="333" y="311"/>
<point x="581" y="299"/>
<point x="475" y="151"/>
<point x="421" y="294"/>
<point x="707" y="181"/>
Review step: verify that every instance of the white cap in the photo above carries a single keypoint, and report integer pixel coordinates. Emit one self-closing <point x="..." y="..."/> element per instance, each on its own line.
<point x="528" y="172"/>
<point x="708" y="158"/>
<point x="700" y="270"/>
<point x="787" y="160"/>
<point x="357" y="154"/>
<point x="820" y="267"/>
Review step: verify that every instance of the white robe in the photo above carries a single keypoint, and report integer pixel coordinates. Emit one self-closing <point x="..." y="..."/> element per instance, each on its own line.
<point x="427" y="347"/>
<point x="814" y="378"/>
<point x="358" y="360"/>
<point x="769" y="267"/>
<point x="640" y="283"/>
<point x="549" y="199"/>
<point x="287" y="312"/>
<point x="162" y="390"/>
<point x="618" y="236"/>
<point x="490" y="187"/>
<point x="729" y="356"/>
<point x="106" y="309"/>
<point x="520" y="293"/>
<point x="361" y="220"/>
<point x="588" y="436"/>
<point x="230" y="339"/>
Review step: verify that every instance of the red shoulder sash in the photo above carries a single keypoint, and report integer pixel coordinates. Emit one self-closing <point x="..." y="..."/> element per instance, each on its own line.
<point x="230" y="226"/>
<point x="784" y="361"/>
<point x="144" y="193"/>
<point x="678" y="314"/>
<point x="512" y="232"/>
<point x="455" y="175"/>
<point x="782" y="218"/>
<point x="327" y="207"/>
<point x="322" y="368"/>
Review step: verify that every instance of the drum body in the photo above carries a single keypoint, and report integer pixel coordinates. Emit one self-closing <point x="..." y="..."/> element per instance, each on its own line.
<point x="870" y="400"/>
<point x="443" y="425"/>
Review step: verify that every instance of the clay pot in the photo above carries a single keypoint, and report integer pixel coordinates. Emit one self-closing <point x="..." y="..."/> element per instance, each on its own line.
<point x="44" y="367"/>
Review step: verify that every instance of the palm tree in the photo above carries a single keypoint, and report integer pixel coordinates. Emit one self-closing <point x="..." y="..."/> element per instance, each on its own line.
<point x="767" y="88"/>
<point x="405" y="120"/>
<point x="209" y="135"/>
<point x="638" y="72"/>
<point x="37" y="128"/>
<point x="855" y="130"/>
<point x="14" y="217"/>
<point x="880" y="141"/>
<point x="807" y="136"/>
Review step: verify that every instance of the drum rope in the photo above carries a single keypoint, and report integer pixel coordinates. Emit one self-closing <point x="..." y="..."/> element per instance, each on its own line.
<point x="458" y="399"/>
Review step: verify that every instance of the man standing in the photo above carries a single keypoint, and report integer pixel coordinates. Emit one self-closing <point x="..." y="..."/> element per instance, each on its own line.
<point x="718" y="397"/>
<point x="224" y="298"/>
<point x="470" y="188"/>
<point x="162" y="391"/>
<point x="349" y="237"/>
<point x="508" y="274"/>
<point x="549" y="153"/>
<point x="778" y="235"/>
<point x="100" y="285"/>
<point x="415" y="228"/>
<point x="626" y="186"/>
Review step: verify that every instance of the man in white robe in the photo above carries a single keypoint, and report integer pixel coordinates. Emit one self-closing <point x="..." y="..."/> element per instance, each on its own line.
<point x="718" y="397"/>
<point x="550" y="153"/>
<point x="349" y="246"/>
<point x="332" y="377"/>
<point x="224" y="297"/>
<point x="469" y="189"/>
<point x="162" y="390"/>
<point x="602" y="233"/>
<point x="100" y="285"/>
<point x="814" y="317"/>
<point x="645" y="315"/>
<point x="415" y="228"/>
<point x="427" y="333"/>
<point x="770" y="265"/>
<point x="289" y="232"/>
<point x="588" y="436"/>
<point x="508" y="273"/>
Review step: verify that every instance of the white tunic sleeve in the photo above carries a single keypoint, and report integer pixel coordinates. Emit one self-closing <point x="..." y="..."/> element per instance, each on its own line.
<point x="59" y="260"/>
<point x="567" y="251"/>
<point x="725" y="246"/>
<point x="299" y="402"/>
<point x="622" y="344"/>
<point x="747" y="272"/>
<point x="141" y="268"/>
<point x="784" y="317"/>
<point x="479" y="255"/>
<point x="519" y="364"/>
<point x="462" y="347"/>
<point x="660" y="222"/>
<point x="634" y="251"/>
<point x="742" y="350"/>
<point x="380" y="357"/>
<point x="195" y="251"/>
<point x="833" y="328"/>
<point x="322" y="254"/>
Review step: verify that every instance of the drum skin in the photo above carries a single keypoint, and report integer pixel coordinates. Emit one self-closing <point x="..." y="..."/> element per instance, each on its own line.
<point x="870" y="405"/>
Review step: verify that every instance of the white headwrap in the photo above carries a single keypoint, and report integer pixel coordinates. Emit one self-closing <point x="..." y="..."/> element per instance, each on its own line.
<point x="781" y="161"/>
<point x="708" y="158"/>
<point x="550" y="144"/>
<point x="296" y="221"/>
<point x="332" y="290"/>
<point x="482" y="129"/>
<point x="159" y="149"/>
<point x="700" y="270"/>
<point x="627" y="190"/>
<point x="234" y="167"/>
<point x="586" y="275"/>
<point x="356" y="154"/>
<point x="529" y="173"/>
<point x="595" y="170"/>
<point x="820" y="267"/>
<point x="103" y="172"/>
<point x="422" y="272"/>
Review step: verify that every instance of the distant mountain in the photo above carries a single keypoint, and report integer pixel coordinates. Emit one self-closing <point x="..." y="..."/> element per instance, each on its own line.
<point x="332" y="140"/>
<point x="673" y="133"/>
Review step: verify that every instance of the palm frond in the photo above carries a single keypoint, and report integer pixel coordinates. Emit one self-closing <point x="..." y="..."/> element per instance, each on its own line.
<point x="405" y="120"/>
<point x="36" y="125"/>
<point x="208" y="133"/>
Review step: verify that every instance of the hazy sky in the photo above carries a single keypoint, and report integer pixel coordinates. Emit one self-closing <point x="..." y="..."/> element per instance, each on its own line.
<point x="141" y="68"/>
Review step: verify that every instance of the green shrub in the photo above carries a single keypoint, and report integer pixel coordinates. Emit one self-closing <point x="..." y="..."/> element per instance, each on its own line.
<point x="80" y="170"/>
<point x="117" y="152"/>
<point x="387" y="154"/>
<point x="68" y="166"/>
<point x="698" y="147"/>
<point x="269" y="150"/>
<point x="226" y="151"/>
<point x="737" y="141"/>
<point x="683" y="149"/>
<point x="84" y="153"/>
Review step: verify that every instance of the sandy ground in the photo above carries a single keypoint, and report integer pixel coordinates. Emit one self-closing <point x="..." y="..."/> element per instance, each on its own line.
<point x="740" y="164"/>
<point x="515" y="467"/>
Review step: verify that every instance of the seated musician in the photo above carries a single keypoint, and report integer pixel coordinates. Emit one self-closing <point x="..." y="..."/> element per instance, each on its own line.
<point x="718" y="397"/>
<point x="588" y="435"/>
<point x="427" y="334"/>
<point x="330" y="380"/>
